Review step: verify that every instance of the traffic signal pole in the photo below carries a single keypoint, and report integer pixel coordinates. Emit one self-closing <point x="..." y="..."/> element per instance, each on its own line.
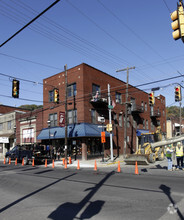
<point x="66" y="115"/>
<point x="126" y="107"/>
<point x="110" y="122"/>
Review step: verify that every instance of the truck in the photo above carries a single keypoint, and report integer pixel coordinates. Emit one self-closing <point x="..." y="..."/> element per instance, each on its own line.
<point x="151" y="147"/>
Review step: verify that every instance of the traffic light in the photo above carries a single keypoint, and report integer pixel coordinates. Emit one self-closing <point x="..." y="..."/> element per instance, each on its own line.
<point x="15" y="88"/>
<point x="109" y="127"/>
<point x="178" y="22"/>
<point x="177" y="93"/>
<point x="151" y="98"/>
<point x="56" y="96"/>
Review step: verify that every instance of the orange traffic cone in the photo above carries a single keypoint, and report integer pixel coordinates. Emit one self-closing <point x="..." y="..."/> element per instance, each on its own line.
<point x="9" y="160"/>
<point x="4" y="160"/>
<point x="45" y="162"/>
<point x="65" y="164"/>
<point x="52" y="163"/>
<point x="119" y="168"/>
<point x="136" y="168"/>
<point x="16" y="161"/>
<point x="33" y="162"/>
<point x="22" y="161"/>
<point x="95" y="168"/>
<point x="78" y="165"/>
<point x="70" y="160"/>
<point x="63" y="161"/>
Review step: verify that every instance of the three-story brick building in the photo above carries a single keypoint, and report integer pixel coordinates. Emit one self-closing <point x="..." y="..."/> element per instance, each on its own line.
<point x="87" y="98"/>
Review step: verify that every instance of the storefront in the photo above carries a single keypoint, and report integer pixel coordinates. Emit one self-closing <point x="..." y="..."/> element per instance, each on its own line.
<point x="83" y="139"/>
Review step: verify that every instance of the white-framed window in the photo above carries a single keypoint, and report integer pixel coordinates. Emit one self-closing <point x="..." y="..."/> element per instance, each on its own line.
<point x="72" y="116"/>
<point x="72" y="90"/>
<point x="51" y="96"/>
<point x="53" y="120"/>
<point x="95" y="89"/>
<point x="120" y="120"/>
<point x="1" y="126"/>
<point x="147" y="126"/>
<point x="118" y="98"/>
<point x="9" y="125"/>
<point x="146" y="107"/>
<point x="93" y="116"/>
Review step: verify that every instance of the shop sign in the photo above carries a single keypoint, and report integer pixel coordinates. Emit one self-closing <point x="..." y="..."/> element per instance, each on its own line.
<point x="61" y="119"/>
<point x="4" y="140"/>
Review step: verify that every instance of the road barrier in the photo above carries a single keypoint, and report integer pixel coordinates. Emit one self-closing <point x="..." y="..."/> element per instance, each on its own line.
<point x="33" y="162"/>
<point x="119" y="168"/>
<point x="95" y="167"/>
<point x="78" y="165"/>
<point x="22" y="161"/>
<point x="4" y="161"/>
<point x="45" y="162"/>
<point x="52" y="163"/>
<point x="65" y="164"/>
<point x="136" y="168"/>
<point x="16" y="161"/>
<point x="9" y="160"/>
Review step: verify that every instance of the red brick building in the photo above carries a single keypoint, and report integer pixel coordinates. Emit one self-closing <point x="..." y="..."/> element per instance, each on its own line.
<point x="86" y="100"/>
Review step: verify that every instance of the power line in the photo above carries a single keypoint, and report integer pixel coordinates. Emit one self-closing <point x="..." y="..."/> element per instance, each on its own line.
<point x="29" y="22"/>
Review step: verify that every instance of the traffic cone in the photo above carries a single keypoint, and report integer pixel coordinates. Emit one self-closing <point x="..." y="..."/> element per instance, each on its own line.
<point x="119" y="168"/>
<point x="9" y="160"/>
<point x="70" y="160"/>
<point x="63" y="161"/>
<point x="4" y="160"/>
<point x="52" y="163"/>
<point x="16" y="161"/>
<point x="22" y="161"/>
<point x="136" y="168"/>
<point x="65" y="164"/>
<point x="45" y="162"/>
<point x="78" y="165"/>
<point x="95" y="168"/>
<point x="33" y="162"/>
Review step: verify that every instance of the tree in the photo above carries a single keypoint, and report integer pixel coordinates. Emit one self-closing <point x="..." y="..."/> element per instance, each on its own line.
<point x="31" y="107"/>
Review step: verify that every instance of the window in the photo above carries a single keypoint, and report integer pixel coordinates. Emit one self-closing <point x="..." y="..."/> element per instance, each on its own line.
<point x="143" y="123"/>
<point x="9" y="125"/>
<point x="53" y="120"/>
<point x="120" y="120"/>
<point x="93" y="116"/>
<point x="146" y="107"/>
<point x="51" y="96"/>
<point x="72" y="116"/>
<point x="95" y="88"/>
<point x="1" y="126"/>
<point x="147" y="125"/>
<point x="72" y="90"/>
<point x="118" y="98"/>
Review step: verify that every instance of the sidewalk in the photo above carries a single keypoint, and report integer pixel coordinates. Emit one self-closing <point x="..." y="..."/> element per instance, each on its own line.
<point x="107" y="163"/>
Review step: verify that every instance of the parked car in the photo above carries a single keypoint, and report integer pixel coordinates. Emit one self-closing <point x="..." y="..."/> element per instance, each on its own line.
<point x="19" y="152"/>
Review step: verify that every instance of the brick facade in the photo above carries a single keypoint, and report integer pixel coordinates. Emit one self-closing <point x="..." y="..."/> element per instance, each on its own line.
<point x="140" y="114"/>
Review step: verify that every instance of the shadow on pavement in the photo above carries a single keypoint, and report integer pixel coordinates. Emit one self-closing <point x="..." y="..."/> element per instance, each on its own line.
<point x="167" y="191"/>
<point x="70" y="210"/>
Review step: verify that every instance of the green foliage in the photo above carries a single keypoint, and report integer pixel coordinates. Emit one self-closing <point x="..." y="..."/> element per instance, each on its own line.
<point x="174" y="112"/>
<point x="31" y="107"/>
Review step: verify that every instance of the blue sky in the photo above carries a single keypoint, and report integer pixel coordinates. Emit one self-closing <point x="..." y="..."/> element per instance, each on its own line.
<point x="106" y="34"/>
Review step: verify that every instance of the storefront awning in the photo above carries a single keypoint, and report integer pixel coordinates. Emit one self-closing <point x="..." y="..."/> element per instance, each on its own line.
<point x="73" y="131"/>
<point x="140" y="132"/>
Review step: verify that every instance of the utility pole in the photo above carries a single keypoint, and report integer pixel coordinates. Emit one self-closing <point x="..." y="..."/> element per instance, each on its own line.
<point x="126" y="107"/>
<point x="110" y="122"/>
<point x="180" y="118"/>
<point x="66" y="115"/>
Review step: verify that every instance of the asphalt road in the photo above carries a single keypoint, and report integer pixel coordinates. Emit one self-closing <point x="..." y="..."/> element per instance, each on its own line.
<point x="38" y="193"/>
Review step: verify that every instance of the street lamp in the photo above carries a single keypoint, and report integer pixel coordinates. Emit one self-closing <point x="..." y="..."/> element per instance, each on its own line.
<point x="48" y="122"/>
<point x="14" y="134"/>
